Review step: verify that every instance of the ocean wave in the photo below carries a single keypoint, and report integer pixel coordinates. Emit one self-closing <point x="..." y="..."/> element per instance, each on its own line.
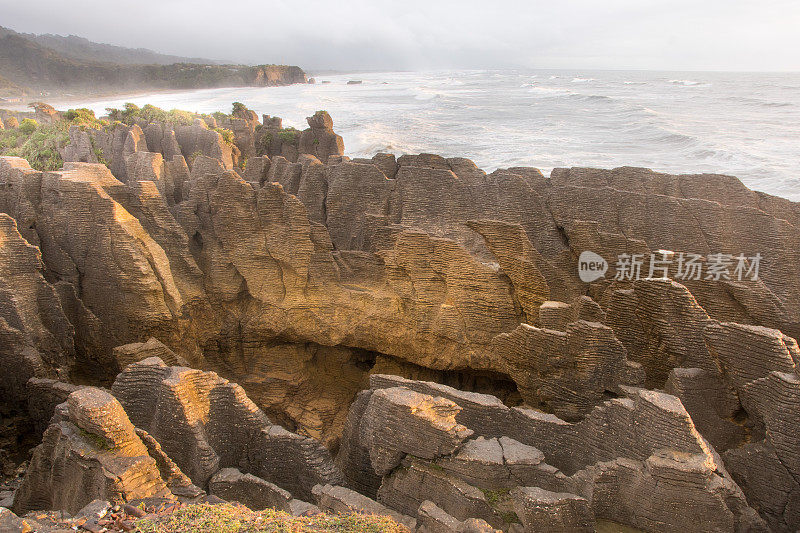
<point x="549" y="90"/>
<point x="426" y="93"/>
<point x="759" y="102"/>
<point x="374" y="138"/>
<point x="690" y="83"/>
<point x="626" y="82"/>
<point x="600" y="97"/>
<point x="582" y="80"/>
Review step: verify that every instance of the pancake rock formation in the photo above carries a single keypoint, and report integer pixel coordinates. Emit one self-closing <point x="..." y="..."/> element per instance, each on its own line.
<point x="229" y="309"/>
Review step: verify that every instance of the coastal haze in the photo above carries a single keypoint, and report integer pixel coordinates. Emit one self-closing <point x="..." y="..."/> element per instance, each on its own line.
<point x="742" y="124"/>
<point x="419" y="34"/>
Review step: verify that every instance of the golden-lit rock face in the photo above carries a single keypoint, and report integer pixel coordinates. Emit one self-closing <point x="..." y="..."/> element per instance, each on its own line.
<point x="425" y="261"/>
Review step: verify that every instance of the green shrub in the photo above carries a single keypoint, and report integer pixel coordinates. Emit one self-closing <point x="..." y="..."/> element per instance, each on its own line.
<point x="289" y="135"/>
<point x="82" y="114"/>
<point x="10" y="139"/>
<point x="493" y="497"/>
<point x="227" y="135"/>
<point x="263" y="143"/>
<point x="28" y="126"/>
<point x="150" y="113"/>
<point x="98" y="153"/>
<point x="41" y="147"/>
<point x="178" y="117"/>
<point x="97" y="440"/>
<point x="84" y="117"/>
<point x="239" y="107"/>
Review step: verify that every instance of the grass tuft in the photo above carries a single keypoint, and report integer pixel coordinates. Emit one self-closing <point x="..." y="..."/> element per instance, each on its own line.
<point x="234" y="518"/>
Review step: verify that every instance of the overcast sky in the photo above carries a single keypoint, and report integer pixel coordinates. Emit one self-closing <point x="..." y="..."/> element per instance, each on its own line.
<point x="420" y="34"/>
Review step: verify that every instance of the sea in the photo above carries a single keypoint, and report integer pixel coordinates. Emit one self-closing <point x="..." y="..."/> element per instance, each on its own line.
<point x="741" y="124"/>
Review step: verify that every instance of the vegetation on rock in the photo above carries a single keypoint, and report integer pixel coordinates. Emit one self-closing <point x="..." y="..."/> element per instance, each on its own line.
<point x="239" y="107"/>
<point x="289" y="135"/>
<point x="150" y="113"/>
<point x="232" y="518"/>
<point x="41" y="144"/>
<point x="227" y="135"/>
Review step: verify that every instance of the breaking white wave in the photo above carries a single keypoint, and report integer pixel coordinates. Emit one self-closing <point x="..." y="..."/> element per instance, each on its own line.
<point x="690" y="83"/>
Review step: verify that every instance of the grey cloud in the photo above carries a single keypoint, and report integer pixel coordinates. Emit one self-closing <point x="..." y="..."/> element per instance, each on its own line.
<point x="375" y="34"/>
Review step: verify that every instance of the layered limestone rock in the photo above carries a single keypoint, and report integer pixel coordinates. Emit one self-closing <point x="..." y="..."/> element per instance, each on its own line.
<point x="567" y="372"/>
<point x="319" y="139"/>
<point x="139" y="351"/>
<point x="417" y="481"/>
<point x="704" y="215"/>
<point x="205" y="423"/>
<point x="36" y="339"/>
<point x="455" y="325"/>
<point x="197" y="139"/>
<point x="432" y="519"/>
<point x="760" y="364"/>
<point x="399" y="421"/>
<point x="661" y="325"/>
<point x="343" y="500"/>
<point x="542" y="510"/>
<point x="599" y="468"/>
<point x="177" y="482"/>
<point x="255" y="493"/>
<point x="303" y="273"/>
<point x="44" y="395"/>
<point x="271" y="139"/>
<point x="90" y="452"/>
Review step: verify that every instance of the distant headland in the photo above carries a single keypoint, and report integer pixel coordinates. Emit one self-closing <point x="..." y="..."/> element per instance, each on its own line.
<point x="32" y="66"/>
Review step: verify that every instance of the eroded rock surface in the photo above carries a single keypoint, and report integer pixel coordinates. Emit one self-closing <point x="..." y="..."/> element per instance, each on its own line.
<point x="279" y="282"/>
<point x="205" y="423"/>
<point x="92" y="452"/>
